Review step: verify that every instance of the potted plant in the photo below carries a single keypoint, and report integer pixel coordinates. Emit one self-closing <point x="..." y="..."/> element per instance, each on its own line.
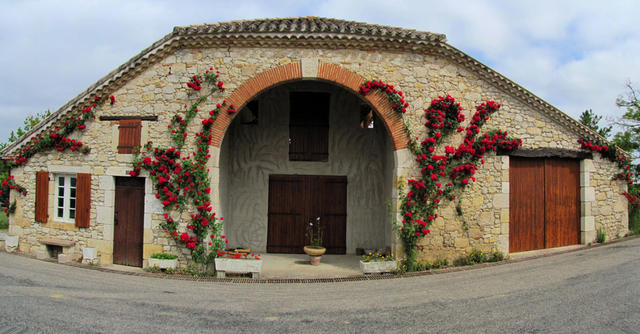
<point x="314" y="235"/>
<point x="375" y="262"/>
<point x="163" y="261"/>
<point x="238" y="263"/>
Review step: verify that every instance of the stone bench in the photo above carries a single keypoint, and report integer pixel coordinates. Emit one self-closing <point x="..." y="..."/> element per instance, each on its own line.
<point x="57" y="242"/>
<point x="62" y="254"/>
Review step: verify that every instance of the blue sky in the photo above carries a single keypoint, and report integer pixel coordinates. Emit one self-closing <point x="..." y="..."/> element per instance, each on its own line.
<point x="574" y="54"/>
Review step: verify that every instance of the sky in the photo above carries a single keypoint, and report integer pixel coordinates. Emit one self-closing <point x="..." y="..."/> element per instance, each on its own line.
<point x="576" y="55"/>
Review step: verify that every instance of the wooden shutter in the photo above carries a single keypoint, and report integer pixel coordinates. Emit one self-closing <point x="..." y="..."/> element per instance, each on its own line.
<point x="42" y="196"/>
<point x="309" y="126"/>
<point x="83" y="200"/>
<point x="129" y="135"/>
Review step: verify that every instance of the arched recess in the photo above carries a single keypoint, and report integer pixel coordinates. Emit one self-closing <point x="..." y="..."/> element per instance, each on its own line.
<point x="332" y="73"/>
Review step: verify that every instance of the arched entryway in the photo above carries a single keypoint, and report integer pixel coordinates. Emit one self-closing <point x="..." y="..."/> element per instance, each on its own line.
<point x="268" y="192"/>
<point x="271" y="192"/>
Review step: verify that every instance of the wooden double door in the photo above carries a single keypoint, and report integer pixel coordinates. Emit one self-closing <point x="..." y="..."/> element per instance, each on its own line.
<point x="544" y="203"/>
<point x="128" y="221"/>
<point x="296" y="200"/>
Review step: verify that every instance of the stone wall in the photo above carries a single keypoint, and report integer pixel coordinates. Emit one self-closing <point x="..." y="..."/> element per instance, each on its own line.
<point x="160" y="90"/>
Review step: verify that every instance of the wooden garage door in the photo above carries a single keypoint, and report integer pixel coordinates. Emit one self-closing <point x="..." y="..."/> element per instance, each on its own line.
<point x="295" y="200"/>
<point x="544" y="203"/>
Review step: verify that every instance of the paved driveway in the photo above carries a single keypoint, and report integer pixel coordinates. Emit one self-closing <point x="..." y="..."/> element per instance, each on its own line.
<point x="590" y="291"/>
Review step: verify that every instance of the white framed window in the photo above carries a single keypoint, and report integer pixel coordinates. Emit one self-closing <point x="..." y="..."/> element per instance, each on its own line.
<point x="65" y="198"/>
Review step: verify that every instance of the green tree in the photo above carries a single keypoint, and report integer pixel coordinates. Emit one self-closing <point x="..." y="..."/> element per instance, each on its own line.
<point x="629" y="138"/>
<point x="29" y="122"/>
<point x="590" y="119"/>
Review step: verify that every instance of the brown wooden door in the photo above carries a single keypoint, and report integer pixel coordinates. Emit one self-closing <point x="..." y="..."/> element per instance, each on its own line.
<point x="526" y="204"/>
<point x="128" y="221"/>
<point x="287" y="211"/>
<point x="295" y="200"/>
<point x="331" y="200"/>
<point x="562" y="198"/>
<point x="544" y="201"/>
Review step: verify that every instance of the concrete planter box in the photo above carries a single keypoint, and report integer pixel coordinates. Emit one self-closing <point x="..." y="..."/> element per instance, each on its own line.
<point x="11" y="243"/>
<point x="238" y="266"/>
<point x="163" y="263"/>
<point x="89" y="255"/>
<point x="378" y="267"/>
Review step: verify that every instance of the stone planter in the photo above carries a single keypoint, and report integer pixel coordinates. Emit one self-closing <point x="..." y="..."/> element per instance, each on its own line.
<point x="378" y="267"/>
<point x="238" y="266"/>
<point x="11" y="243"/>
<point x="89" y="255"/>
<point x="163" y="263"/>
<point x="315" y="254"/>
<point x="314" y="250"/>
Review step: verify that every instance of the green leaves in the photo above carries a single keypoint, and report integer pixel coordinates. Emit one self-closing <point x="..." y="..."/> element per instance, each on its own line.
<point x="590" y="119"/>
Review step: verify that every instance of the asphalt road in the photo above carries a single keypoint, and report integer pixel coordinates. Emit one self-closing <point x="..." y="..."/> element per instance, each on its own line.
<point x="589" y="291"/>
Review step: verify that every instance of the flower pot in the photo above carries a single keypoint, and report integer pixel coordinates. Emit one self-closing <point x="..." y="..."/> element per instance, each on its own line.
<point x="163" y="263"/>
<point x="315" y="260"/>
<point x="315" y="254"/>
<point x="378" y="267"/>
<point x="314" y="250"/>
<point x="238" y="266"/>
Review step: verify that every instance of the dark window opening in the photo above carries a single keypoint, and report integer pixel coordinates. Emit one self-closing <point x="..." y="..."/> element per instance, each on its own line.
<point x="54" y="251"/>
<point x="366" y="117"/>
<point x="250" y="116"/>
<point x="309" y="126"/>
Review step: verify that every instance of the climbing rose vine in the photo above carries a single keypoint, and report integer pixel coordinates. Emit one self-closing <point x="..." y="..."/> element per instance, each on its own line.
<point x="442" y="173"/>
<point x="613" y="154"/>
<point x="181" y="180"/>
<point x="57" y="139"/>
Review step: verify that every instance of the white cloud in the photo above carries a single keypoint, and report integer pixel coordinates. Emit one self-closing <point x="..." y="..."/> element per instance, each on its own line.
<point x="574" y="54"/>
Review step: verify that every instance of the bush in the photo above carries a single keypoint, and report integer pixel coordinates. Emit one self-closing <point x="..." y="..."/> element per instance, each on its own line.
<point x="601" y="236"/>
<point x="437" y="264"/>
<point x="163" y="256"/>
<point x="478" y="256"/>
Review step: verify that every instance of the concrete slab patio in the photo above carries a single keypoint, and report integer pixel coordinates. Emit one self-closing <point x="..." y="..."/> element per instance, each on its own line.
<point x="293" y="266"/>
<point x="298" y="266"/>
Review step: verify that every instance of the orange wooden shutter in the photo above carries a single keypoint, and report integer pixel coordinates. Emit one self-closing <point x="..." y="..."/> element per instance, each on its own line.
<point x="83" y="200"/>
<point x="42" y="196"/>
<point x="129" y="135"/>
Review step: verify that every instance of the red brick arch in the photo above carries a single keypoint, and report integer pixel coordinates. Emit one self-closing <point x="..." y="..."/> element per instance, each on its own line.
<point x="328" y="72"/>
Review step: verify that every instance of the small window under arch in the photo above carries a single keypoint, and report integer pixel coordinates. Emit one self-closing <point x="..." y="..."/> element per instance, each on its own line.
<point x="367" y="118"/>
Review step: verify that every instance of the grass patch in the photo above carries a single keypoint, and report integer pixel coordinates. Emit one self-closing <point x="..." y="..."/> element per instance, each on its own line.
<point x="476" y="256"/>
<point x="634" y="221"/>
<point x="601" y="236"/>
<point x="4" y="221"/>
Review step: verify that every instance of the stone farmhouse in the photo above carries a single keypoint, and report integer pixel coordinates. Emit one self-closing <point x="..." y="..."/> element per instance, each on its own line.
<point x="305" y="144"/>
